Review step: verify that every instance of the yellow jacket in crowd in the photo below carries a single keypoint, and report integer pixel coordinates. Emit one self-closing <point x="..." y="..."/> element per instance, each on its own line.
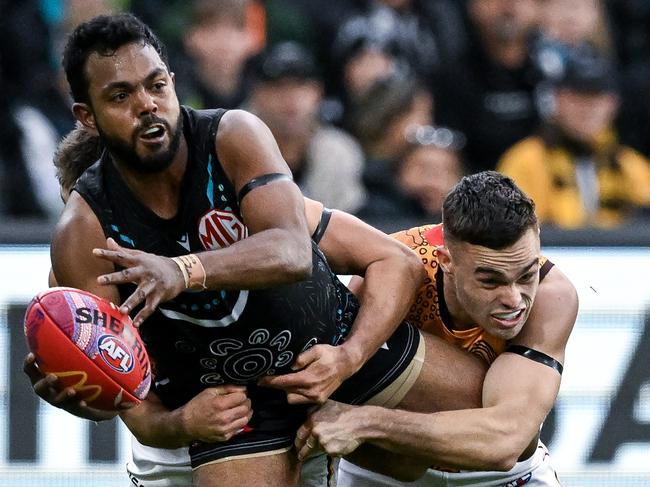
<point x="548" y="173"/>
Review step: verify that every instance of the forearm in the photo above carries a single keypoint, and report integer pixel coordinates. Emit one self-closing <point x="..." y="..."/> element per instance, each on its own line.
<point x="269" y="258"/>
<point x="156" y="426"/>
<point x="388" y="290"/>
<point x="468" y="439"/>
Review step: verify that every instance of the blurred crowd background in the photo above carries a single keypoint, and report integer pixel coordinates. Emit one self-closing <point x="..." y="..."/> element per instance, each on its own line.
<point x="378" y="106"/>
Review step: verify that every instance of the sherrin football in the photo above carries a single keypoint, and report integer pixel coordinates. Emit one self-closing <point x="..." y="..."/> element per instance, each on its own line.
<point x="88" y="344"/>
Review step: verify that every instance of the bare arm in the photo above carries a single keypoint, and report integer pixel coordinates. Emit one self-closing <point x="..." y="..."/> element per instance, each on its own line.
<point x="393" y="274"/>
<point x="215" y="414"/>
<point x="517" y="395"/>
<point x="277" y="251"/>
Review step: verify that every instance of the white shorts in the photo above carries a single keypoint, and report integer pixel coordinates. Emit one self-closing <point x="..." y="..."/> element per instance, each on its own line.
<point x="158" y="467"/>
<point x="537" y="471"/>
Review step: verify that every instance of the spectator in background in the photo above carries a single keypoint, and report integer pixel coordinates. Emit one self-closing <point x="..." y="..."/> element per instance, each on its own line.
<point x="380" y="119"/>
<point x="393" y="122"/>
<point x="219" y="43"/>
<point x="28" y="139"/>
<point x="577" y="171"/>
<point x="326" y="162"/>
<point x="389" y="35"/>
<point x="575" y="22"/>
<point x="490" y="94"/>
<point x="429" y="170"/>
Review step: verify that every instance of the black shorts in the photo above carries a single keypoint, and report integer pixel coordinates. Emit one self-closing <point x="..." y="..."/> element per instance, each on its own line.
<point x="275" y="422"/>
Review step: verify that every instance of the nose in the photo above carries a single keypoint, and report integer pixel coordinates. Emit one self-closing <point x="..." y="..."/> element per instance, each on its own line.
<point x="146" y="103"/>
<point x="510" y="296"/>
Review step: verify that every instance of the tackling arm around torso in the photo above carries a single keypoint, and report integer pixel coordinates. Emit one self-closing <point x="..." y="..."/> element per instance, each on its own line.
<point x="518" y="393"/>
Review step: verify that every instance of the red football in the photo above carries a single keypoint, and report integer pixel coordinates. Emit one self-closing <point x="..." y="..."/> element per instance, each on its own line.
<point x="86" y="342"/>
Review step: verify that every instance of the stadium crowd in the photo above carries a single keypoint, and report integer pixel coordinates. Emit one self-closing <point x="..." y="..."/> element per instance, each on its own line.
<point x="378" y="106"/>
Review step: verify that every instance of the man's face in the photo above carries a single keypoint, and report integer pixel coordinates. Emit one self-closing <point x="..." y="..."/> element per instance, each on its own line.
<point x="495" y="289"/>
<point x="289" y="106"/>
<point x="584" y="116"/>
<point x="134" y="107"/>
<point x="505" y="20"/>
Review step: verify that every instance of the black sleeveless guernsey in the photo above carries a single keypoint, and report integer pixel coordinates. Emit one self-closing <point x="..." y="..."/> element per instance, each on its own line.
<point x="206" y="338"/>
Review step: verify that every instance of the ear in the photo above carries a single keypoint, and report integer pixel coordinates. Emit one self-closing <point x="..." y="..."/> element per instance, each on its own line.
<point x="445" y="260"/>
<point x="86" y="117"/>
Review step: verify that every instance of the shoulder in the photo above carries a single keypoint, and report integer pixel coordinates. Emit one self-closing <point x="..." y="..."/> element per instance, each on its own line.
<point x="415" y="237"/>
<point x="236" y="124"/>
<point x="75" y="235"/>
<point x="557" y="284"/>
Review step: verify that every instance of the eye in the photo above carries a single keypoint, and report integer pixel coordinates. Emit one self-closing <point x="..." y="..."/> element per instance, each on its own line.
<point x="489" y="283"/>
<point x="527" y="277"/>
<point x="159" y="85"/>
<point x="119" y="97"/>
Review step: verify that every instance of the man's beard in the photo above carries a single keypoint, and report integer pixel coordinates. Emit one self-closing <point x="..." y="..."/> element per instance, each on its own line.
<point x="126" y="153"/>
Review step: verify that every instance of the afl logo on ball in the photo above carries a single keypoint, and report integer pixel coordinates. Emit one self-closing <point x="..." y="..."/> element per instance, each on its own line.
<point x="220" y="228"/>
<point x="115" y="353"/>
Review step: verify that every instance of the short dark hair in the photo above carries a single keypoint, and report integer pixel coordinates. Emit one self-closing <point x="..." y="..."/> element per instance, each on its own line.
<point x="76" y="152"/>
<point x="487" y="209"/>
<point x="104" y="35"/>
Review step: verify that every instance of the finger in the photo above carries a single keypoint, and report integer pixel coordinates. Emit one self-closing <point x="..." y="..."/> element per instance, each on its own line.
<point x="305" y="358"/>
<point x="112" y="244"/>
<point x="295" y="398"/>
<point x="122" y="257"/>
<point x="64" y="395"/>
<point x="287" y="382"/>
<point x="307" y="449"/>
<point x="301" y="436"/>
<point x="153" y="298"/>
<point x="138" y="296"/>
<point x="46" y="387"/>
<point x="31" y="369"/>
<point x="125" y="276"/>
<point x="226" y="389"/>
<point x="233" y="400"/>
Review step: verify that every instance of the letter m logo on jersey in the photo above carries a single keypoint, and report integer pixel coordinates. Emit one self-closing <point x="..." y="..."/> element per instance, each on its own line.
<point x="220" y="228"/>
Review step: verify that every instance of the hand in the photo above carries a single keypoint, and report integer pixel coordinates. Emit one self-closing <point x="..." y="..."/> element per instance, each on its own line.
<point x="217" y="413"/>
<point x="333" y="428"/>
<point x="48" y="388"/>
<point x="322" y="369"/>
<point x="158" y="279"/>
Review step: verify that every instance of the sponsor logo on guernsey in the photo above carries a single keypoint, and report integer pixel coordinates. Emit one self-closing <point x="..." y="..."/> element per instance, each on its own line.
<point x="520" y="481"/>
<point x="220" y="228"/>
<point x="115" y="353"/>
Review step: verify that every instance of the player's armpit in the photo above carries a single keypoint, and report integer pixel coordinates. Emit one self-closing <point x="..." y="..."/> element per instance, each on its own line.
<point x="74" y="238"/>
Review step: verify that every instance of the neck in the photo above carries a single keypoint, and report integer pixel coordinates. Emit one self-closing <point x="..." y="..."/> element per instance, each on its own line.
<point x="460" y="319"/>
<point x="159" y="191"/>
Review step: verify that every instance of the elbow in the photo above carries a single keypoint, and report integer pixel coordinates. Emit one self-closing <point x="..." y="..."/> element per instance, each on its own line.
<point x="501" y="461"/>
<point x="411" y="266"/>
<point x="296" y="261"/>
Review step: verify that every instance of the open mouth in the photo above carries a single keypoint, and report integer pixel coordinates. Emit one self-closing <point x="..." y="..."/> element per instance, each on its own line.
<point x="154" y="133"/>
<point x="510" y="319"/>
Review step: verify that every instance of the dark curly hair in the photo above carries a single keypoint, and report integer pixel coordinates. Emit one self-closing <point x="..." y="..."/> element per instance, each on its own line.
<point x="76" y="152"/>
<point x="487" y="209"/>
<point x="104" y="35"/>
